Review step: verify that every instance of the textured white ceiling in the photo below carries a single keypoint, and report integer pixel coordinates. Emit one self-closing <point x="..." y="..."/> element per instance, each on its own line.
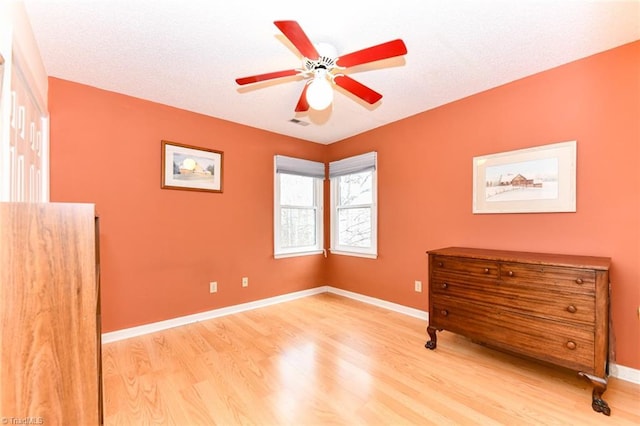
<point x="187" y="53"/>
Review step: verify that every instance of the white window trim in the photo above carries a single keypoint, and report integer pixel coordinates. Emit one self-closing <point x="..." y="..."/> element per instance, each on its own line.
<point x="318" y="248"/>
<point x="354" y="254"/>
<point x="371" y="253"/>
<point x="297" y="254"/>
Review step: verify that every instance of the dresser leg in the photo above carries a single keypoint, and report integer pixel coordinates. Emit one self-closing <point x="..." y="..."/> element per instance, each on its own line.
<point x="431" y="344"/>
<point x="598" y="404"/>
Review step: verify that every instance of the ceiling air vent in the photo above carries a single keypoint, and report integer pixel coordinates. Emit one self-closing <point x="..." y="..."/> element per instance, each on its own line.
<point x="299" y="122"/>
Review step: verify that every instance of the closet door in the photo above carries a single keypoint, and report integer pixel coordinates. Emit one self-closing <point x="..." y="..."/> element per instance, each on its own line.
<point x="27" y="171"/>
<point x="24" y="116"/>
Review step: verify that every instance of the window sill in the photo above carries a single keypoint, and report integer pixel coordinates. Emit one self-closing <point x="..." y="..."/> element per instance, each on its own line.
<point x="297" y="254"/>
<point x="355" y="254"/>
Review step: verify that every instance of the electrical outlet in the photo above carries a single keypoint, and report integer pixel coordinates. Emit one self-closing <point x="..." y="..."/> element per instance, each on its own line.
<point x="418" y="286"/>
<point x="213" y="287"/>
<point x="245" y="281"/>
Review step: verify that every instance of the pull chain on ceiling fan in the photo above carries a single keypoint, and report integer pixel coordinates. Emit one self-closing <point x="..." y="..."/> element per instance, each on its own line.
<point x="325" y="68"/>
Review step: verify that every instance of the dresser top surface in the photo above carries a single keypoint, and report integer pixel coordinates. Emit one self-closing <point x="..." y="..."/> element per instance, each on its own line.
<point x="567" y="260"/>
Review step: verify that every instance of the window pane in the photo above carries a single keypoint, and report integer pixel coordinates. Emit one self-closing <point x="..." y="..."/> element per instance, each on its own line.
<point x="354" y="227"/>
<point x="356" y="189"/>
<point x="296" y="190"/>
<point x="297" y="227"/>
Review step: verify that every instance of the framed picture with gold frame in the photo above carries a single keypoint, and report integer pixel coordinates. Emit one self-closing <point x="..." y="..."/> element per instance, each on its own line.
<point x="191" y="168"/>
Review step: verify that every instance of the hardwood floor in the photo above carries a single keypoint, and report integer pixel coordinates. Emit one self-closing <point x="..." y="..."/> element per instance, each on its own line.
<point x="326" y="359"/>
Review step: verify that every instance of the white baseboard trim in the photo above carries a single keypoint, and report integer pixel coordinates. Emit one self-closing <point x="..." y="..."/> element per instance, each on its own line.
<point x="624" y="373"/>
<point x="412" y="312"/>
<point x="140" y="330"/>
<point x="615" y="370"/>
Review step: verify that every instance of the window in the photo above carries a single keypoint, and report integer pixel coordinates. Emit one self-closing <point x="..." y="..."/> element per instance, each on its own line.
<point x="298" y="206"/>
<point x="354" y="213"/>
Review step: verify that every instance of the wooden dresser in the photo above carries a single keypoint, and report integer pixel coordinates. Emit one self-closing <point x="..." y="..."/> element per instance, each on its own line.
<point x="554" y="308"/>
<point x="49" y="308"/>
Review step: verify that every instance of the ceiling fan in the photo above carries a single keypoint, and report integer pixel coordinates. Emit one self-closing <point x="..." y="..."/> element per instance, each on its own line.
<point x="322" y="66"/>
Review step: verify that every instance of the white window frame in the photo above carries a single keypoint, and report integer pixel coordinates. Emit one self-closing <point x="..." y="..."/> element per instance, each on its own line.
<point x="354" y="165"/>
<point x="300" y="167"/>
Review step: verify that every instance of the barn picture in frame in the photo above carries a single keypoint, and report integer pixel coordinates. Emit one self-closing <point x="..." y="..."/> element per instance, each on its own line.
<point x="532" y="180"/>
<point x="191" y="168"/>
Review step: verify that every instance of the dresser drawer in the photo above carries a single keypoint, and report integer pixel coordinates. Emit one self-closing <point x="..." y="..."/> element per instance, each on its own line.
<point x="541" y="277"/>
<point x="546" y="301"/>
<point x="464" y="266"/>
<point x="565" y="345"/>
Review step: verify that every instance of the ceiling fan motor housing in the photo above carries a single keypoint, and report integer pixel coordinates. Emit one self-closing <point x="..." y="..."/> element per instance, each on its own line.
<point x="323" y="62"/>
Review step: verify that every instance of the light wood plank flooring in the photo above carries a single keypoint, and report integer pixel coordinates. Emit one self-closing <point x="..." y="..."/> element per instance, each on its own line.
<point x="326" y="359"/>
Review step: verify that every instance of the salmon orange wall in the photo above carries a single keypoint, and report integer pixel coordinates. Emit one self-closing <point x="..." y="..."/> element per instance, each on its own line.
<point x="159" y="247"/>
<point x="425" y="182"/>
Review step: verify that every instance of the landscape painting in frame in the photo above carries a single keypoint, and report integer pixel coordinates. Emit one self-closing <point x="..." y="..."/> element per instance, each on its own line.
<point x="532" y="180"/>
<point x="191" y="168"/>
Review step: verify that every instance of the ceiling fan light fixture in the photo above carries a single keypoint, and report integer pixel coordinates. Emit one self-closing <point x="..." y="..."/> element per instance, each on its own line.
<point x="319" y="93"/>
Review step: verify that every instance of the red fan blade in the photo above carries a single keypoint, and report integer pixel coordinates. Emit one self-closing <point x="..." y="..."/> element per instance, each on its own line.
<point x="267" y="76"/>
<point x="358" y="89"/>
<point x="373" y="53"/>
<point x="303" y="105"/>
<point x="294" y="33"/>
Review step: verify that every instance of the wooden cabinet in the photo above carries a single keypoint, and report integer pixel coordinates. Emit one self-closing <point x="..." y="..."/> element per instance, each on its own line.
<point x="554" y="308"/>
<point x="49" y="335"/>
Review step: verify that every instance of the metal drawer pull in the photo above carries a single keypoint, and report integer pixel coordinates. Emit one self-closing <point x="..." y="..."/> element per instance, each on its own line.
<point x="571" y="345"/>
<point x="572" y="309"/>
<point x="444" y="285"/>
<point x="510" y="273"/>
<point x="444" y="312"/>
<point x="579" y="281"/>
<point x="486" y="270"/>
<point x="440" y="264"/>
